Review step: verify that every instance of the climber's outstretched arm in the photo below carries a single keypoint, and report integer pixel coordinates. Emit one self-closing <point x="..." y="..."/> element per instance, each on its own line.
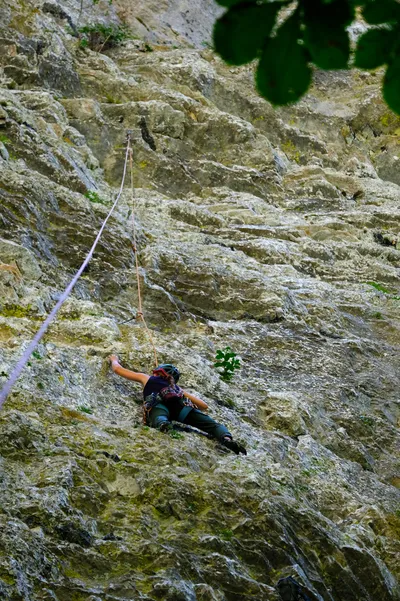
<point x="127" y="373"/>
<point x="198" y="402"/>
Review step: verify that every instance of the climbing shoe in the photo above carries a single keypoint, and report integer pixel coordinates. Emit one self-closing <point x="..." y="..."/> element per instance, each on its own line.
<point x="234" y="446"/>
<point x="290" y="590"/>
<point x="165" y="427"/>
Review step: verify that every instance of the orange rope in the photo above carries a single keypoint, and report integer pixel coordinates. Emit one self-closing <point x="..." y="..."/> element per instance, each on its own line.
<point x="139" y="314"/>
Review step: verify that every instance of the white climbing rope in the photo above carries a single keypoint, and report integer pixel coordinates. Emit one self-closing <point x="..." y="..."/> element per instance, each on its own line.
<point x="38" y="336"/>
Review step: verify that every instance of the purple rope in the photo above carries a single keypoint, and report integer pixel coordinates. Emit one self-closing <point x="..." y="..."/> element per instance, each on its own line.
<point x="39" y="334"/>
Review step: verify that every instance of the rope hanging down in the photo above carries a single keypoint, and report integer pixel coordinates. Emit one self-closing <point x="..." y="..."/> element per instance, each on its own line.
<point x="139" y="313"/>
<point x="42" y="330"/>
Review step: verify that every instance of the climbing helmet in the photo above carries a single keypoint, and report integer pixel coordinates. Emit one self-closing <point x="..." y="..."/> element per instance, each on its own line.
<point x="169" y="369"/>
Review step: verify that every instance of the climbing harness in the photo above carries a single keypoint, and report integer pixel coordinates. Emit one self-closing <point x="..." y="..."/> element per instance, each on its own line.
<point x="152" y="400"/>
<point x="175" y="392"/>
<point x="45" y="325"/>
<point x="169" y="393"/>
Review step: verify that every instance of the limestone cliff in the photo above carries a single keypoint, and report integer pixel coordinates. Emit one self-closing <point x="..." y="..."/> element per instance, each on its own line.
<point x="274" y="232"/>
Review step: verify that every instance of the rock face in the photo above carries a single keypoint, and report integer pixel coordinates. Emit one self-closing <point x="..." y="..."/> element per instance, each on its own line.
<point x="274" y="232"/>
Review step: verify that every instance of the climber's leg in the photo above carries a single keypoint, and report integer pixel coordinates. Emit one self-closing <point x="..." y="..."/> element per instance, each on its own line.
<point x="159" y="417"/>
<point x="206" y="423"/>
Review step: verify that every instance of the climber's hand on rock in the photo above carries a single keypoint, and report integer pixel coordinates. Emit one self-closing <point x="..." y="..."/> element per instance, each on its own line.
<point x="113" y="359"/>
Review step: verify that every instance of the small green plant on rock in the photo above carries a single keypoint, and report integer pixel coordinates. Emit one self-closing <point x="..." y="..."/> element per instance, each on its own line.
<point x="85" y="409"/>
<point x="99" y="37"/>
<point x="379" y="287"/>
<point x="83" y="43"/>
<point x="226" y="534"/>
<point x="95" y="198"/>
<point x="230" y="403"/>
<point x="291" y="151"/>
<point x="227" y="359"/>
<point x="110" y="99"/>
<point x="174" y="434"/>
<point x="367" y="420"/>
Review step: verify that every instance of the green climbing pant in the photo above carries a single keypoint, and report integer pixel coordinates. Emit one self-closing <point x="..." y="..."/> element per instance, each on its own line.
<point x="160" y="415"/>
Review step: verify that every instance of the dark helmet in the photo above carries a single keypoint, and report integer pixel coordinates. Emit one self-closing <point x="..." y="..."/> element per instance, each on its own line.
<point x="171" y="370"/>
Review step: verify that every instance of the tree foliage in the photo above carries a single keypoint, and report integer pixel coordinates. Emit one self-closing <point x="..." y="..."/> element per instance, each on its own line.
<point x="100" y="37"/>
<point x="316" y="33"/>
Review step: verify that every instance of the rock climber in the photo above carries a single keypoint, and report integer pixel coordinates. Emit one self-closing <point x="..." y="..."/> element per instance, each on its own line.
<point x="164" y="401"/>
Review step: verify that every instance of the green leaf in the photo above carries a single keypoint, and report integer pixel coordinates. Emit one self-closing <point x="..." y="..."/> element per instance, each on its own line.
<point x="325" y="34"/>
<point x="381" y="11"/>
<point x="329" y="47"/>
<point x="337" y="12"/>
<point x="240" y="33"/>
<point x="374" y="48"/>
<point x="391" y="85"/>
<point x="283" y="73"/>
